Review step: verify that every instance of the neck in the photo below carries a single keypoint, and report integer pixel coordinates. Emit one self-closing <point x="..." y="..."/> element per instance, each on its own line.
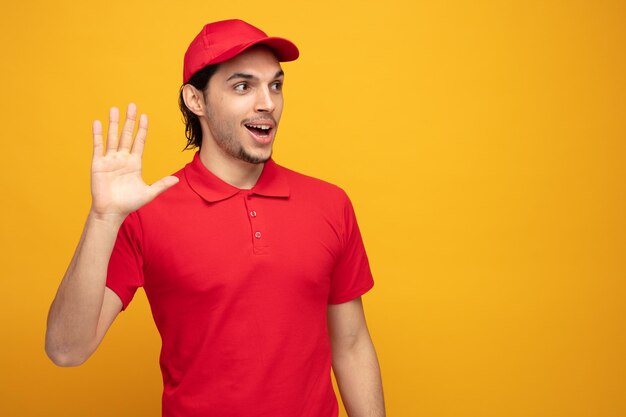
<point x="235" y="172"/>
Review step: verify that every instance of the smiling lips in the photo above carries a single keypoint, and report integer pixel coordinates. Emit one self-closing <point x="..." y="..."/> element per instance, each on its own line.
<point x="261" y="130"/>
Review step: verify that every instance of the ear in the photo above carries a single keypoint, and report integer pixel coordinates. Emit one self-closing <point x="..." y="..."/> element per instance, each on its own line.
<point x="194" y="100"/>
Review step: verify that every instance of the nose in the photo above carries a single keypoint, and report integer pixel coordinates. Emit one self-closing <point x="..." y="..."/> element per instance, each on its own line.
<point x="265" y="100"/>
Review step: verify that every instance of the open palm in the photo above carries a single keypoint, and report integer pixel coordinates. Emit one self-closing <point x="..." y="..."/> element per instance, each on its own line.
<point x="116" y="184"/>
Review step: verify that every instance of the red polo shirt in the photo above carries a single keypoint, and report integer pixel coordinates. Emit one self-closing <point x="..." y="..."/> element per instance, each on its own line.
<point x="239" y="282"/>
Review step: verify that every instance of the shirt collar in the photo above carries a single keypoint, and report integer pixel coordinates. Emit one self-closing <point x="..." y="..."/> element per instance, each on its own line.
<point x="271" y="183"/>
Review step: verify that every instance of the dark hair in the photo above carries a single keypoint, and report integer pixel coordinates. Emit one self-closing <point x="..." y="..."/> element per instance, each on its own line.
<point x="193" y="131"/>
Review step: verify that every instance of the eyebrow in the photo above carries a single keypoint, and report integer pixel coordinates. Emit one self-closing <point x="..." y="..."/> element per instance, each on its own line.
<point x="246" y="76"/>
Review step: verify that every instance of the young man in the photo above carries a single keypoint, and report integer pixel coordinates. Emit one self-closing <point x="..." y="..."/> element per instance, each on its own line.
<point x="253" y="272"/>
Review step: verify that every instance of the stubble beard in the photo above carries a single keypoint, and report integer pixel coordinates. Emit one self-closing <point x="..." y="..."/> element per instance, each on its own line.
<point x="224" y="138"/>
<point x="246" y="157"/>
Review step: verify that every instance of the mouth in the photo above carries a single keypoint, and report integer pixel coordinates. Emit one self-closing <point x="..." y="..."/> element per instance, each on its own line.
<point x="261" y="131"/>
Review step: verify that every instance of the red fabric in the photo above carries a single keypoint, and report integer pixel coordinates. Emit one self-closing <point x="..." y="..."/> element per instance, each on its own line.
<point x="220" y="41"/>
<point x="242" y="315"/>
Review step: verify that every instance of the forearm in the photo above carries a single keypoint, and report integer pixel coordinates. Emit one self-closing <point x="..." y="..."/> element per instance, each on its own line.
<point x="357" y="372"/>
<point x="73" y="319"/>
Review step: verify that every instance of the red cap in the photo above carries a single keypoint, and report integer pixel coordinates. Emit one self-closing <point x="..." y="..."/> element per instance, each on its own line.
<point x="220" y="41"/>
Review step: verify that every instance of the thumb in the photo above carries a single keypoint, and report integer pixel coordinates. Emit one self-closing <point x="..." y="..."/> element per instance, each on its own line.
<point x="162" y="185"/>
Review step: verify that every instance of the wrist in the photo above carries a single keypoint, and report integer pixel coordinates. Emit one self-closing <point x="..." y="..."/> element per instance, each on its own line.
<point x="107" y="219"/>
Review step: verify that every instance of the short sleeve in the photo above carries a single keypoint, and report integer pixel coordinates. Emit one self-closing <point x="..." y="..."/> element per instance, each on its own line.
<point x="351" y="276"/>
<point x="125" y="272"/>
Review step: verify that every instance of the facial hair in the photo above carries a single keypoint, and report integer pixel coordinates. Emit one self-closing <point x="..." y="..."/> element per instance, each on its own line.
<point x="224" y="136"/>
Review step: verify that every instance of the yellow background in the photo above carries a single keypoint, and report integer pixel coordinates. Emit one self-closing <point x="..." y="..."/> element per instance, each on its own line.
<point x="483" y="144"/>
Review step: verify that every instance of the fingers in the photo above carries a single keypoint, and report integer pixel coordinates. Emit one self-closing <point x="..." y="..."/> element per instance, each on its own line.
<point x="140" y="139"/>
<point x="125" y="141"/>
<point x="97" y="138"/>
<point x="114" y="118"/>
<point x="129" y="127"/>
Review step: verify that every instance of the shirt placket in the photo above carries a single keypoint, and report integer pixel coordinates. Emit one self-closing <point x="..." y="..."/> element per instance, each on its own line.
<point x="258" y="229"/>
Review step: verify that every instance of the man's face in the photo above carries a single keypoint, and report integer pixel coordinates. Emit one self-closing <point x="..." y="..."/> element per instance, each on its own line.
<point x="244" y="103"/>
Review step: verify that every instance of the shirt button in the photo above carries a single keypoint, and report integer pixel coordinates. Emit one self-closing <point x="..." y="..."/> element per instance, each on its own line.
<point x="253" y="213"/>
<point x="257" y="235"/>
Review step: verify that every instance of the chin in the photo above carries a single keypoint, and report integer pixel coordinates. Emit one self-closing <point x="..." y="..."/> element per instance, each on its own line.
<point x="252" y="158"/>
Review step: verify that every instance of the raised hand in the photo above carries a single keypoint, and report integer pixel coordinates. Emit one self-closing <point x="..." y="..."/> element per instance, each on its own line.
<point x="116" y="184"/>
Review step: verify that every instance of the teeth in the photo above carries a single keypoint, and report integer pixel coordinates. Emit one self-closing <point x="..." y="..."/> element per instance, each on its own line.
<point x="262" y="127"/>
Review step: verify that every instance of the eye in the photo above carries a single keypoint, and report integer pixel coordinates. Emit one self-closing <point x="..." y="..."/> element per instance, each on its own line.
<point x="277" y="85"/>
<point x="241" y="87"/>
